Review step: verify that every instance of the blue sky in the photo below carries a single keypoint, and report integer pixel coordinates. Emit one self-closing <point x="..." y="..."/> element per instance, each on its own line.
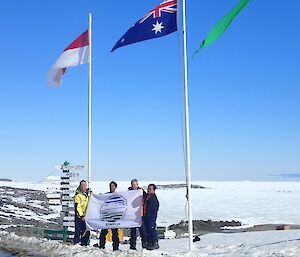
<point x="244" y="93"/>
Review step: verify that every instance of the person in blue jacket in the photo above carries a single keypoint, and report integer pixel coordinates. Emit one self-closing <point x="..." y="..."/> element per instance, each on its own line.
<point x="150" y="209"/>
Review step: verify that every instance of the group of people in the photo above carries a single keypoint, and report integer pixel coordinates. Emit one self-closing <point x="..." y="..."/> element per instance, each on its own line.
<point x="147" y="230"/>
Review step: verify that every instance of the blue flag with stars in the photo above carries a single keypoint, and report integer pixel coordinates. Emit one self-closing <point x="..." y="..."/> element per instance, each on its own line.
<point x="160" y="21"/>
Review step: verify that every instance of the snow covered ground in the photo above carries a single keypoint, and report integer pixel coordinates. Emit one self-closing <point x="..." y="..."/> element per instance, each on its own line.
<point x="248" y="202"/>
<point x="256" y="244"/>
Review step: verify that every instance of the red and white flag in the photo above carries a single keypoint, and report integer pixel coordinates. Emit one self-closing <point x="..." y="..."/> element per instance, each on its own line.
<point x="75" y="54"/>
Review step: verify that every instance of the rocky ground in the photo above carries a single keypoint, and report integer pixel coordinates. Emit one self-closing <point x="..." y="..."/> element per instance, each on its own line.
<point x="5" y="179"/>
<point x="201" y="227"/>
<point x="26" y="212"/>
<point x="175" y="186"/>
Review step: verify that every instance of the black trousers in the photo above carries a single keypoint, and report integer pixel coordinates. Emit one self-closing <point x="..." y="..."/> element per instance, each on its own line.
<point x="115" y="238"/>
<point x="133" y="236"/>
<point x="81" y="235"/>
<point x="149" y="226"/>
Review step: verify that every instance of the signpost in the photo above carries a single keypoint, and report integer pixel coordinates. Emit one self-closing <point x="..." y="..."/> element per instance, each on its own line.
<point x="67" y="193"/>
<point x="61" y="192"/>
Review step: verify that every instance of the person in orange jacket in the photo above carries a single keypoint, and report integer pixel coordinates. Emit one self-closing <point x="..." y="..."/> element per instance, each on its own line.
<point x="151" y="206"/>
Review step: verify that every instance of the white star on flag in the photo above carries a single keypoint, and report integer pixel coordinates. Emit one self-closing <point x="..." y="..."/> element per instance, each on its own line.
<point x="157" y="27"/>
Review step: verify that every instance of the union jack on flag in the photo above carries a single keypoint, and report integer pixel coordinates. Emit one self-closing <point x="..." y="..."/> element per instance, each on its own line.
<point x="169" y="6"/>
<point x="160" y="21"/>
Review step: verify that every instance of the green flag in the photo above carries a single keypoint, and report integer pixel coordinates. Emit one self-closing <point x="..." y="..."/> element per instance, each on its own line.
<point x="222" y="25"/>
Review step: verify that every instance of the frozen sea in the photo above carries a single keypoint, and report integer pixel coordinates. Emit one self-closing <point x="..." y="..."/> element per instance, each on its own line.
<point x="245" y="201"/>
<point x="248" y="202"/>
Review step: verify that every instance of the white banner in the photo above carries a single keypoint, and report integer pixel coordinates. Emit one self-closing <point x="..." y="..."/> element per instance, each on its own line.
<point x="115" y="210"/>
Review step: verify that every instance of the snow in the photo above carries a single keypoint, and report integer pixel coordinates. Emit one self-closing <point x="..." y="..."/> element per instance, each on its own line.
<point x="18" y="212"/>
<point x="238" y="227"/>
<point x="256" y="244"/>
<point x="249" y="202"/>
<point x="246" y="201"/>
<point x="252" y="203"/>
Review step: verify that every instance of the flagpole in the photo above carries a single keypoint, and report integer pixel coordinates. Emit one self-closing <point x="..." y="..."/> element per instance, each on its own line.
<point x="90" y="103"/>
<point x="187" y="131"/>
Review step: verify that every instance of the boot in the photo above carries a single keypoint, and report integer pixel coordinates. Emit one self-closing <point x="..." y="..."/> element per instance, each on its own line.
<point x="102" y="244"/>
<point x="144" y="244"/>
<point x="116" y="248"/>
<point x="152" y="245"/>
<point x="132" y="247"/>
<point x="115" y="240"/>
<point x="102" y="240"/>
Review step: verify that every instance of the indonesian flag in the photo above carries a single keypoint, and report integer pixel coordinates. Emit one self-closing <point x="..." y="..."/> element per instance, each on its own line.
<point x="75" y="54"/>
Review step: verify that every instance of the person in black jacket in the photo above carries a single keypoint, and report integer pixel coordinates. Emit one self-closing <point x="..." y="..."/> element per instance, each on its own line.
<point x="133" y="234"/>
<point x="115" y="238"/>
<point x="150" y="209"/>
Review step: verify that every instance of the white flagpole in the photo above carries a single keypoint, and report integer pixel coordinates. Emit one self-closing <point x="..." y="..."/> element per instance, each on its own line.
<point x="90" y="103"/>
<point x="187" y="131"/>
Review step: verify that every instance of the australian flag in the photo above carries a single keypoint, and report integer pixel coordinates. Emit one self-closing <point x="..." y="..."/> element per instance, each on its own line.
<point x="160" y="21"/>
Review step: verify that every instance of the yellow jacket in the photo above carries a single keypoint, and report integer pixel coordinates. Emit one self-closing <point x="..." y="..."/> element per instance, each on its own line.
<point x="81" y="200"/>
